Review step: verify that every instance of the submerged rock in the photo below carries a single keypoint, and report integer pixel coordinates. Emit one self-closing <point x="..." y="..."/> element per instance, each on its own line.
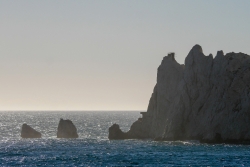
<point x="29" y="132"/>
<point x="66" y="129"/>
<point x="208" y="99"/>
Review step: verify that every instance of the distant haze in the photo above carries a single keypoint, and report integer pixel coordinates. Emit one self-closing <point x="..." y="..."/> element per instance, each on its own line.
<point x="103" y="55"/>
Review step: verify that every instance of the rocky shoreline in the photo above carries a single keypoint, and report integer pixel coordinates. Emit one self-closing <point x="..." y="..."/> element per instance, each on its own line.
<point x="207" y="99"/>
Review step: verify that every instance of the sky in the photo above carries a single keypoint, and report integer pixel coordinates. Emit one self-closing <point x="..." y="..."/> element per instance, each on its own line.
<point x="104" y="54"/>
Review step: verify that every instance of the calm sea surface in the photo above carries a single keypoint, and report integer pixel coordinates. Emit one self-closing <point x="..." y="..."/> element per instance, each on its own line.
<point x="93" y="148"/>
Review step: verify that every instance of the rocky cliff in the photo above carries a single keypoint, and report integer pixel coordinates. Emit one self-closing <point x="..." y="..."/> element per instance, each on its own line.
<point x="208" y="99"/>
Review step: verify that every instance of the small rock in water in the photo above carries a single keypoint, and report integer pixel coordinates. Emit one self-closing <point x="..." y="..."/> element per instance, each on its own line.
<point x="29" y="132"/>
<point x="66" y="129"/>
<point x="115" y="133"/>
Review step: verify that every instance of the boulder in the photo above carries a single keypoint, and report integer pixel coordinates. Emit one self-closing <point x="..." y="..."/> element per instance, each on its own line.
<point x="66" y="129"/>
<point x="29" y="132"/>
<point x="115" y="133"/>
<point x="207" y="99"/>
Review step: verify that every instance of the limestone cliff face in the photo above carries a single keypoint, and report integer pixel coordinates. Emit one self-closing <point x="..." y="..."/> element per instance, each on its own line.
<point x="208" y="99"/>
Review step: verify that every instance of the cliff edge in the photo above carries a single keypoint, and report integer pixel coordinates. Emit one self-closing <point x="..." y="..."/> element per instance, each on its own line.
<point x="208" y="100"/>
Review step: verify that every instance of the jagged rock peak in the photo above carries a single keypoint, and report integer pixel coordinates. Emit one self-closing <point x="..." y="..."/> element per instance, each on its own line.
<point x="169" y="59"/>
<point x="196" y="49"/>
<point x="29" y="132"/>
<point x="220" y="53"/>
<point x="171" y="55"/>
<point x="196" y="56"/>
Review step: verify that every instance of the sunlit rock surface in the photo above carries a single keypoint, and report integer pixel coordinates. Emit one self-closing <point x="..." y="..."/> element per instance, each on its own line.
<point x="29" y="132"/>
<point x="208" y="99"/>
<point x="66" y="129"/>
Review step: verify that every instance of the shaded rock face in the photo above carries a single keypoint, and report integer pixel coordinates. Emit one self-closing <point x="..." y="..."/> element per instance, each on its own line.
<point x="208" y="99"/>
<point x="66" y="129"/>
<point x="29" y="132"/>
<point x="115" y="133"/>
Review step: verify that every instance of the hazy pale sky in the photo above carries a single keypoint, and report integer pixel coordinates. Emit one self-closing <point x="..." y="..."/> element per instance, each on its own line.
<point x="103" y="55"/>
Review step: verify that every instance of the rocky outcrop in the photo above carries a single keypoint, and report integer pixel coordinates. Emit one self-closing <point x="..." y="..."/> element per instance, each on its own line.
<point x="66" y="129"/>
<point x="29" y="132"/>
<point x="115" y="133"/>
<point x="208" y="99"/>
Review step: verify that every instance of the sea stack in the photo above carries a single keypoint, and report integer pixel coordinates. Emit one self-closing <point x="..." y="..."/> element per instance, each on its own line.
<point x="115" y="133"/>
<point x="66" y="129"/>
<point x="29" y="132"/>
<point x="207" y="99"/>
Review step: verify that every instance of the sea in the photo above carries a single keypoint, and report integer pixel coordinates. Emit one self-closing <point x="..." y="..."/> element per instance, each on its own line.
<point x="93" y="148"/>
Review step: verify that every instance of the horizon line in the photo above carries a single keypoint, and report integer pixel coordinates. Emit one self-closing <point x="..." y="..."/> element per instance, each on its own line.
<point x="69" y="110"/>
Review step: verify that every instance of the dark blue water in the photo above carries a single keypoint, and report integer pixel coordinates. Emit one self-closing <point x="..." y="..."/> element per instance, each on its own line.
<point x="94" y="149"/>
